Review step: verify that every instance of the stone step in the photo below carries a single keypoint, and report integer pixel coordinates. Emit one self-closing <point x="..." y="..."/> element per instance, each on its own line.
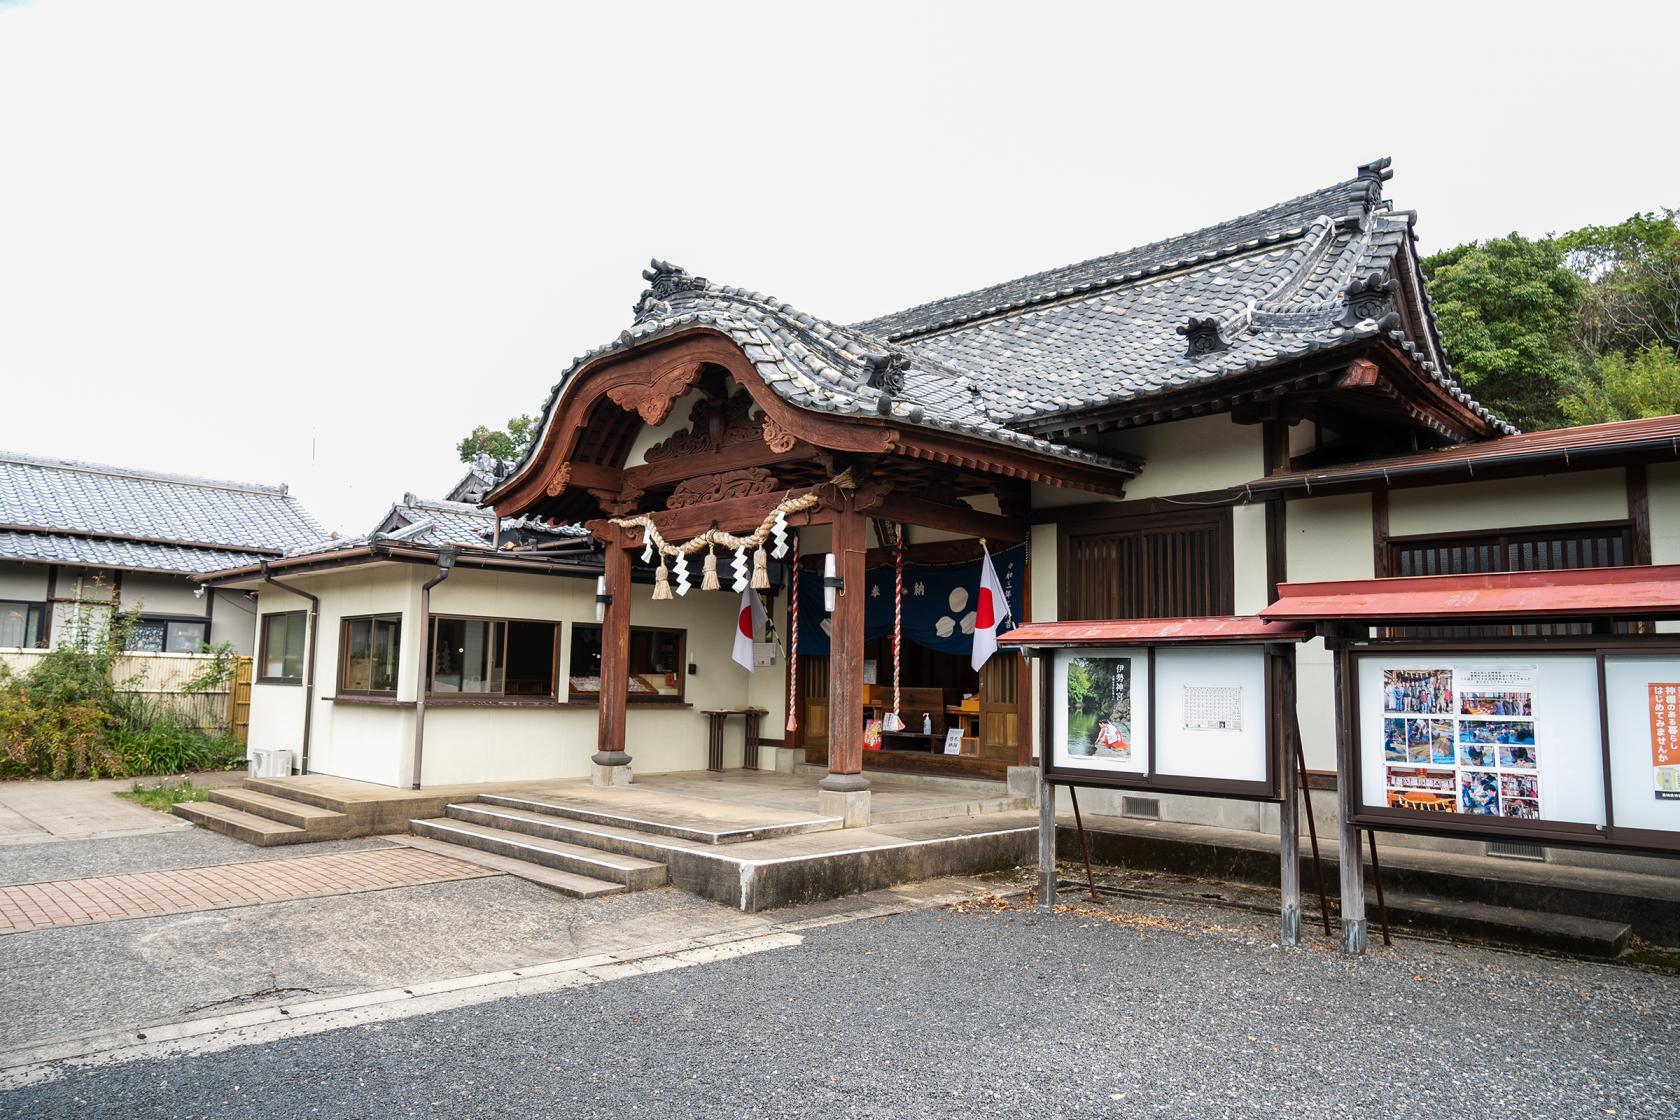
<point x="240" y="825"/>
<point x="975" y="808"/>
<point x="721" y="834"/>
<point x="564" y="882"/>
<point x="610" y="838"/>
<point x="633" y="873"/>
<point x="298" y="814"/>
<point x="292" y="791"/>
<point x="1563" y="933"/>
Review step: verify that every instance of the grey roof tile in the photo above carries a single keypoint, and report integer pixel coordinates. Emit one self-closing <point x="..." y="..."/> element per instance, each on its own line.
<point x="129" y="518"/>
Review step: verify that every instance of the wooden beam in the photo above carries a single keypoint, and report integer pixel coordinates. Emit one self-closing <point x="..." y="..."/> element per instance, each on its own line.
<point x="951" y="519"/>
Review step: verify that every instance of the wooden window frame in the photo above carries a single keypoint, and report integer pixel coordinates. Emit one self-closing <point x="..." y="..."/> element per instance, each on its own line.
<point x="1218" y="519"/>
<point x="41" y="615"/>
<point x="166" y="620"/>
<point x="576" y="696"/>
<point x="262" y="647"/>
<point x="344" y="626"/>
<point x="432" y="695"/>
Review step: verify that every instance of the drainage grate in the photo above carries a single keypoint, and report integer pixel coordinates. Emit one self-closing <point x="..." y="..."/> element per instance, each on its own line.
<point x="1515" y="849"/>
<point x="1146" y="807"/>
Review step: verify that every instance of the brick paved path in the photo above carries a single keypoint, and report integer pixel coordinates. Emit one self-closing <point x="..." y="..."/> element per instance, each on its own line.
<point x="104" y="898"/>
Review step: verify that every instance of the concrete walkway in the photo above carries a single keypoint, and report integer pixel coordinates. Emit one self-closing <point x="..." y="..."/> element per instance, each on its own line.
<point x="35" y="812"/>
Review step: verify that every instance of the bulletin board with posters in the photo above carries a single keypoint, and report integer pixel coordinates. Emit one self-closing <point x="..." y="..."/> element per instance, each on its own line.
<point x="1575" y="747"/>
<point x="1169" y="718"/>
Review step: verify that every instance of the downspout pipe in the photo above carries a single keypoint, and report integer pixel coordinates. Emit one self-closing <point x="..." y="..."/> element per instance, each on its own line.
<point x="445" y="564"/>
<point x="308" y="659"/>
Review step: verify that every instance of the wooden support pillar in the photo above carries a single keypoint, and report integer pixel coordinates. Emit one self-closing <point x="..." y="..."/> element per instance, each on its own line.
<point x="1289" y="849"/>
<point x="611" y="760"/>
<point x="1350" y="856"/>
<point x="845" y="654"/>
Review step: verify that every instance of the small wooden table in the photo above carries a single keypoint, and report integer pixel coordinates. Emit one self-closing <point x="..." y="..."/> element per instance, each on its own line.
<point x="715" y="718"/>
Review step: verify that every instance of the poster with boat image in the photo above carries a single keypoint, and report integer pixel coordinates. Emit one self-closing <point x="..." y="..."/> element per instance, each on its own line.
<point x="1102" y="720"/>
<point x="1462" y="739"/>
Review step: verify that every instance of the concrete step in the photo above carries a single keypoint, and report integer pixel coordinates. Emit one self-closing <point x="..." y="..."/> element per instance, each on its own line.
<point x="721" y="834"/>
<point x="460" y="828"/>
<point x="564" y="882"/>
<point x="240" y="825"/>
<point x="610" y="838"/>
<point x="326" y="823"/>
<point x="1649" y="904"/>
<point x="292" y="791"/>
<point x="975" y="808"/>
<point x="1564" y="933"/>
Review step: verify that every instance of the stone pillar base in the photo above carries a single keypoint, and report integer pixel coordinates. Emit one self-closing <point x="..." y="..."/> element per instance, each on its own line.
<point x="1023" y="782"/>
<point x="851" y="806"/>
<point x="782" y="759"/>
<point x="600" y="775"/>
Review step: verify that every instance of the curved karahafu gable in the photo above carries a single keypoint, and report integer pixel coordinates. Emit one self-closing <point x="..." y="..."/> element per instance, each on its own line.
<point x="806" y="374"/>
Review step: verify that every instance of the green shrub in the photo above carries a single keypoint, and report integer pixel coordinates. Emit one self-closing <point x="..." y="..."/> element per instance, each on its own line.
<point x="68" y="718"/>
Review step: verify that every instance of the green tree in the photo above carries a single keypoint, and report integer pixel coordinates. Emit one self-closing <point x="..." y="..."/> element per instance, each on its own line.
<point x="1624" y="389"/>
<point x="1508" y="311"/>
<point x="509" y="443"/>
<point x="1632" y="270"/>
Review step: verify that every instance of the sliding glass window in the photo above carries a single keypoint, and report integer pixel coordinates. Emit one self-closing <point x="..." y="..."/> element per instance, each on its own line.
<point x="370" y="653"/>
<point x="493" y="657"/>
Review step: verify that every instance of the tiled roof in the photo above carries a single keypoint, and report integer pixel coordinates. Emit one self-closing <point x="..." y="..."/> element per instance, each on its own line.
<point x="1304" y="276"/>
<point x="481" y="477"/>
<point x="132" y="518"/>
<point x="818" y="365"/>
<point x="433" y="522"/>
<point x="104" y="552"/>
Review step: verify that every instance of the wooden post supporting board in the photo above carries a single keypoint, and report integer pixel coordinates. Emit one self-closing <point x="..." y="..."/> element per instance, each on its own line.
<point x="1046" y="843"/>
<point x="1350" y="858"/>
<point x="1289" y="859"/>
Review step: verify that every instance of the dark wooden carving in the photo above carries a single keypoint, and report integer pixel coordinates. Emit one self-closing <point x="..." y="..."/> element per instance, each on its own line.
<point x="653" y="401"/>
<point x="777" y="438"/>
<point x="557" y="481"/>
<point x="720" y="487"/>
<point x="715" y="425"/>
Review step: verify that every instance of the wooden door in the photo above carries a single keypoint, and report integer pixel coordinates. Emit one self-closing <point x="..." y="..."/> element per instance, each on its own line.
<point x="1000" y="706"/>
<point x="813" y="716"/>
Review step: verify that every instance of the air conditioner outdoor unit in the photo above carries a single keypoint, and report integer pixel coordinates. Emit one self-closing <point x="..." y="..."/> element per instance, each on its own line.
<point x="271" y="762"/>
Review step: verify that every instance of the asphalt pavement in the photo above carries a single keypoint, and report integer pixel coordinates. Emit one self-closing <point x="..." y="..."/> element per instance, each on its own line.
<point x="1141" y="1008"/>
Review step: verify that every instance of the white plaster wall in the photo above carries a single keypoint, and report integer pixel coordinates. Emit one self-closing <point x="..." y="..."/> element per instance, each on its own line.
<point x="277" y="709"/>
<point x="159" y="594"/>
<point x="1248" y="558"/>
<point x="26" y="582"/>
<point x="1662" y="485"/>
<point x="234" y="621"/>
<point x="1328" y="538"/>
<point x="1508" y="503"/>
<point x="375" y="743"/>
<point x="1188" y="456"/>
<point x="676" y="421"/>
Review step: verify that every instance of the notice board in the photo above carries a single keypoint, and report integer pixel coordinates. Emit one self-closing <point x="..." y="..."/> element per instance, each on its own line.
<point x="1186" y="719"/>
<point x="1579" y="747"/>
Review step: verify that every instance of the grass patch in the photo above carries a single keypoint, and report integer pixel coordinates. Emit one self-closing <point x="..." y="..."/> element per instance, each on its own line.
<point x="164" y="798"/>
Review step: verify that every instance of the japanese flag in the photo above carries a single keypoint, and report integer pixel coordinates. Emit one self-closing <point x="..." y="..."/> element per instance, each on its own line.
<point x="748" y="622"/>
<point x="989" y="610"/>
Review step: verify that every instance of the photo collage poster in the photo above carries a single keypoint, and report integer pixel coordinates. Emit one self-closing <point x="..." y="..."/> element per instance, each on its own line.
<point x="1462" y="740"/>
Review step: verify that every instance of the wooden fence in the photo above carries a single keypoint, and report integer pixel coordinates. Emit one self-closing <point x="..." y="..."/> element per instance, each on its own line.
<point x="159" y="677"/>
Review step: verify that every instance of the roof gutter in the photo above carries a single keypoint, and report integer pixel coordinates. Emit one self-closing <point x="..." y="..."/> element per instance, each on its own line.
<point x="445" y="564"/>
<point x="309" y="657"/>
<point x="1334" y="478"/>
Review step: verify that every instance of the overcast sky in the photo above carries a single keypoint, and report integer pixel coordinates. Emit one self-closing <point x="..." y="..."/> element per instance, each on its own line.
<point x="317" y="242"/>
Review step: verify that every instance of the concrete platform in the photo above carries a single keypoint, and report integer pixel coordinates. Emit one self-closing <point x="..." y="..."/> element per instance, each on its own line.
<point x="1444" y="890"/>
